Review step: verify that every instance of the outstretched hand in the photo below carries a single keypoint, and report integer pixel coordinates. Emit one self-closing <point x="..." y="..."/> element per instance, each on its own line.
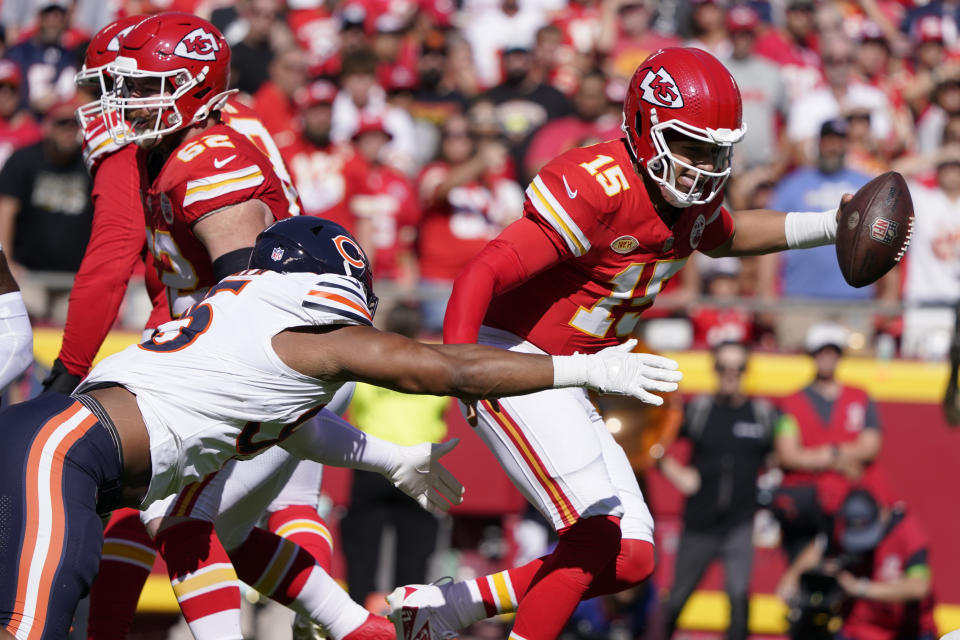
<point x="419" y="474"/>
<point x="619" y="370"/>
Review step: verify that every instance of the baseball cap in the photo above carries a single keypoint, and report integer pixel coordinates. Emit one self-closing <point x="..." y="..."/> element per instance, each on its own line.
<point x="861" y="526"/>
<point x="834" y="127"/>
<point x="927" y="29"/>
<point x="9" y="73"/>
<point x="62" y="110"/>
<point x="318" y="92"/>
<point x="826" y="334"/>
<point x="370" y="123"/>
<point x="46" y="5"/>
<point x="742" y="18"/>
<point x="801" y="5"/>
<point x="400" y="78"/>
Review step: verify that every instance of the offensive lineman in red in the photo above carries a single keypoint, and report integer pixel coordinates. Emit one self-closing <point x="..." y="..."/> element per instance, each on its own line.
<point x="604" y="228"/>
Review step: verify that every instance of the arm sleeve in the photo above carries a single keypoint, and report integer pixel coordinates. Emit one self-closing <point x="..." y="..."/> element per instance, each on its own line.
<point x="521" y="251"/>
<point x="16" y="338"/>
<point x="329" y="439"/>
<point x="116" y="242"/>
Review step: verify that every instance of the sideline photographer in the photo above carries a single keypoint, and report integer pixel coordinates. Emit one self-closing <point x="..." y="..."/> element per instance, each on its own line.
<point x="879" y="558"/>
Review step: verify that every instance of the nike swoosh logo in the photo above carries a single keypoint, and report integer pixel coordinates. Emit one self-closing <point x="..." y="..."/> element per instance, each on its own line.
<point x="570" y="192"/>
<point x="219" y="163"/>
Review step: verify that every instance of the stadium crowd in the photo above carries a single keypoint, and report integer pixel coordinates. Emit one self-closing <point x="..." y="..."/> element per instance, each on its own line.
<point x="417" y="125"/>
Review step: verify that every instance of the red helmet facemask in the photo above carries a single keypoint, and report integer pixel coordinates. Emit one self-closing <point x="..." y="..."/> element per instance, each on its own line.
<point x="685" y="93"/>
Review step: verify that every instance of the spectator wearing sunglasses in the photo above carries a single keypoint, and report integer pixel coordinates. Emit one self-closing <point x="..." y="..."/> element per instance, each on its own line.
<point x="732" y="437"/>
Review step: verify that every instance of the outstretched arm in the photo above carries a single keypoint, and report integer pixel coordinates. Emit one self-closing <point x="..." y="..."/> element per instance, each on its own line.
<point x="760" y="231"/>
<point x="468" y="371"/>
<point x="416" y="470"/>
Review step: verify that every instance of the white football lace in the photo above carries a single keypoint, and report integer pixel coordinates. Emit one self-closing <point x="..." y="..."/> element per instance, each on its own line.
<point x="906" y="241"/>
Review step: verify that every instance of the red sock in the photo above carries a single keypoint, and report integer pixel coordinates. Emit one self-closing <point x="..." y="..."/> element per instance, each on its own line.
<point x="203" y="579"/>
<point x="126" y="561"/>
<point x="502" y="592"/>
<point x="584" y="551"/>
<point x="272" y="565"/>
<point x="303" y="526"/>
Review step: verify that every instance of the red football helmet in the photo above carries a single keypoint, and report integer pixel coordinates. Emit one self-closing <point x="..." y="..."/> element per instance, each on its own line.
<point x="688" y="92"/>
<point x="190" y="61"/>
<point x="101" y="51"/>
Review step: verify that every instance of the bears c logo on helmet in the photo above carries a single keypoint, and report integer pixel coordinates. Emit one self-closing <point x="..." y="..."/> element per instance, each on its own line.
<point x="660" y="88"/>
<point x="198" y="45"/>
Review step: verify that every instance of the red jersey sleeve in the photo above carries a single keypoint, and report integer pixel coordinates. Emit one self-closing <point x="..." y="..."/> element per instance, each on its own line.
<point x="569" y="201"/>
<point x="117" y="240"/>
<point x="719" y="229"/>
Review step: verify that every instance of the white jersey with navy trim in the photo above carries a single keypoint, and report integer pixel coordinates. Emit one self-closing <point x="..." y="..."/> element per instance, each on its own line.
<point x="210" y="385"/>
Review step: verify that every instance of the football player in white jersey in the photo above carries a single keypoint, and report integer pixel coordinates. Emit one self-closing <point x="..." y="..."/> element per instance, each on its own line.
<point x="117" y="245"/>
<point x="236" y="375"/>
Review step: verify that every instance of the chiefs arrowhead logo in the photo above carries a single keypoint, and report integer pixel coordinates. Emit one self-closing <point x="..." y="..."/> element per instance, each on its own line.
<point x="660" y="88"/>
<point x="199" y="44"/>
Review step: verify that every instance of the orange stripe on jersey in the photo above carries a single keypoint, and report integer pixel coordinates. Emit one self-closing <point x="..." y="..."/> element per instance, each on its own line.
<point x="346" y="301"/>
<point x="42" y="575"/>
<point x="568" y="514"/>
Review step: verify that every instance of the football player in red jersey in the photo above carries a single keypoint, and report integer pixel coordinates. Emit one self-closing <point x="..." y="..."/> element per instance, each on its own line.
<point x="604" y="227"/>
<point x="117" y="245"/>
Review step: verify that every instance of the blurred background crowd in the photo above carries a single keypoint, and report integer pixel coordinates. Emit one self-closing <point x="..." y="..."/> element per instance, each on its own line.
<point x="418" y="123"/>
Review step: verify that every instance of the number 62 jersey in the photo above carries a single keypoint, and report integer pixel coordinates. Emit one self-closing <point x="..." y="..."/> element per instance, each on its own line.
<point x="210" y="386"/>
<point x="616" y="252"/>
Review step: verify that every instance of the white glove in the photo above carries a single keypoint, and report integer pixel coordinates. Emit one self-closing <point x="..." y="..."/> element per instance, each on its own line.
<point x="617" y="370"/>
<point x="418" y="473"/>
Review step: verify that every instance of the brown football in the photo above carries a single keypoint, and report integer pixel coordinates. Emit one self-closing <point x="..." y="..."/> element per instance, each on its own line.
<point x="874" y="229"/>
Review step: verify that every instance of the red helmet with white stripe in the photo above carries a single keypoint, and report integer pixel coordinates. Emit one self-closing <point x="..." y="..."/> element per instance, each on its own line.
<point x="174" y="67"/>
<point x="687" y="92"/>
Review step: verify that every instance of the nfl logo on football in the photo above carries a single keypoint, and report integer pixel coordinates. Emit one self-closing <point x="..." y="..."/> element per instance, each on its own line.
<point x="884" y="230"/>
<point x="277" y="254"/>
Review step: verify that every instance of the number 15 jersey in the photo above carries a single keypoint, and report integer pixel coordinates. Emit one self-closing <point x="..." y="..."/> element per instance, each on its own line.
<point x="616" y="252"/>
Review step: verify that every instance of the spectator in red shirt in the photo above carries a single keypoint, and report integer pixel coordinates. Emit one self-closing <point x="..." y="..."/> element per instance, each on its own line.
<point x="17" y="126"/>
<point x="275" y="101"/>
<point x="466" y="202"/>
<point x="386" y="210"/>
<point x="830" y="442"/>
<point x="626" y="37"/>
<point x="879" y="556"/>
<point x="591" y="121"/>
<point x="794" y="48"/>
<point x="323" y="172"/>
